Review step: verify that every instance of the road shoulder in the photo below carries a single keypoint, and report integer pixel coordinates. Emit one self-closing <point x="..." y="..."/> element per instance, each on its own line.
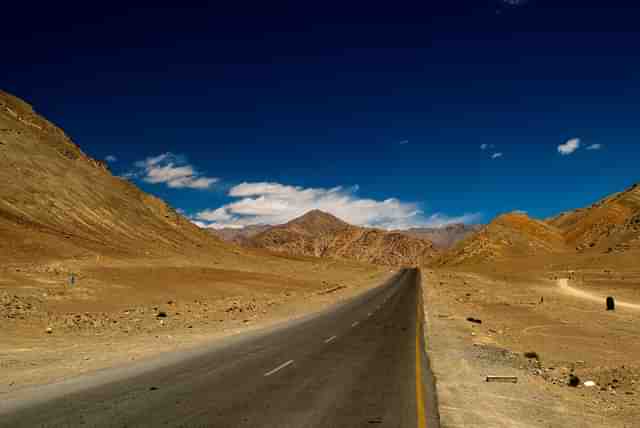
<point x="461" y="361"/>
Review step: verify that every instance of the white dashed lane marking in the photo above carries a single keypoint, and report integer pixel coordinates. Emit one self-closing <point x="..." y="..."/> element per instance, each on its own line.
<point x="331" y="339"/>
<point x="280" y="367"/>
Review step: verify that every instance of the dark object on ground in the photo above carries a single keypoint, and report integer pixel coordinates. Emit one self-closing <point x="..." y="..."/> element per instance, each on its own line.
<point x="611" y="304"/>
<point x="153" y="388"/>
<point x="162" y="314"/>
<point x="532" y="355"/>
<point x="574" y="380"/>
<point x="474" y="320"/>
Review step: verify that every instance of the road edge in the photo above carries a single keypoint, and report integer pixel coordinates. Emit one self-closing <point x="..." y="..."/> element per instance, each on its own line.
<point x="428" y="378"/>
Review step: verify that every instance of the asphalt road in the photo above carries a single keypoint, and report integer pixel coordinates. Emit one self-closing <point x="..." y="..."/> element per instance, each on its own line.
<point x="358" y="364"/>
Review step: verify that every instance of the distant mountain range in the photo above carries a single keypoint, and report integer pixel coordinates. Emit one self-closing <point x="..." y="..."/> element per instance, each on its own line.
<point x="443" y="237"/>
<point x="320" y="234"/>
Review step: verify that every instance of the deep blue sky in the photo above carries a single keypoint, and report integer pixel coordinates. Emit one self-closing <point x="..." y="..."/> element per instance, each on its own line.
<point x="312" y="95"/>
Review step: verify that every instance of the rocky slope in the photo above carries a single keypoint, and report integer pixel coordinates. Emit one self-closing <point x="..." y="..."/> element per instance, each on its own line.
<point x="322" y="235"/>
<point x="57" y="202"/>
<point x="443" y="237"/>
<point x="509" y="235"/>
<point x="239" y="236"/>
<point x="610" y="225"/>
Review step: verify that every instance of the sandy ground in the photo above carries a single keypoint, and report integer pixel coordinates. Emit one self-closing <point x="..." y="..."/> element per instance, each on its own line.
<point x="118" y="312"/>
<point x="568" y="329"/>
<point x="563" y="283"/>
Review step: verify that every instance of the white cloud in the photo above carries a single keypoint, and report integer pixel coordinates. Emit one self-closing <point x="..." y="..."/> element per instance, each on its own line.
<point x="111" y="158"/>
<point x="403" y="142"/>
<point x="496" y="155"/>
<point x="172" y="170"/>
<point x="594" y="147"/>
<point x="486" y="146"/>
<point x="569" y="147"/>
<point x="275" y="203"/>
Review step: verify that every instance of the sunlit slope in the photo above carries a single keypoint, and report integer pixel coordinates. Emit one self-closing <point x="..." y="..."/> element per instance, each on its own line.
<point x="54" y="199"/>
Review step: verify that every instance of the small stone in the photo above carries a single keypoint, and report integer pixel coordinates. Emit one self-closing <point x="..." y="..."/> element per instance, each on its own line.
<point x="49" y="330"/>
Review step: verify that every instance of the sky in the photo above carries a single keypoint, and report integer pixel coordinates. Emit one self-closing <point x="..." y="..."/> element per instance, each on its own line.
<point x="389" y="114"/>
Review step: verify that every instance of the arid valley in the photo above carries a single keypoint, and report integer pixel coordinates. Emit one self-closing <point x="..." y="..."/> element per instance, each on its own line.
<point x="95" y="273"/>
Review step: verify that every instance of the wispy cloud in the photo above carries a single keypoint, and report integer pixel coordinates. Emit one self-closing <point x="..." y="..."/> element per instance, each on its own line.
<point x="486" y="146"/>
<point x="172" y="170"/>
<point x="569" y="147"/>
<point x="403" y="142"/>
<point x="594" y="147"/>
<point x="275" y="203"/>
<point x="111" y="158"/>
<point x="496" y="155"/>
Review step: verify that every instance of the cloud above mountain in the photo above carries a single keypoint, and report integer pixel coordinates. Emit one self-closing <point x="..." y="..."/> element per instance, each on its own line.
<point x="275" y="203"/>
<point x="172" y="170"/>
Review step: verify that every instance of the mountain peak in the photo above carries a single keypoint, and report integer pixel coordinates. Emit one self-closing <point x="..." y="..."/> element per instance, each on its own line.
<point x="317" y="215"/>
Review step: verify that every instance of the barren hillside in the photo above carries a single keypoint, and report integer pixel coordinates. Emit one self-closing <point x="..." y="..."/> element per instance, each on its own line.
<point x="239" y="236"/>
<point x="443" y="237"/>
<point x="57" y="202"/>
<point x="322" y="235"/>
<point x="610" y="225"/>
<point x="507" y="236"/>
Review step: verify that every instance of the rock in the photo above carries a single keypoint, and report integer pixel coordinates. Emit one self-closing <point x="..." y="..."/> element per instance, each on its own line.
<point x="474" y="320"/>
<point x="161" y="314"/>
<point x="49" y="330"/>
<point x="589" y="383"/>
<point x="532" y="355"/>
<point x="574" y="380"/>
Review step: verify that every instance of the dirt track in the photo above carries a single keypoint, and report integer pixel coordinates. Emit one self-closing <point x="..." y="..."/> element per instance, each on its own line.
<point x="563" y="283"/>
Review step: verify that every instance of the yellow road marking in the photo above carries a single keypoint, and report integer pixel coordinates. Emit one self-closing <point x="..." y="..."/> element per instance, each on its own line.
<point x="419" y="396"/>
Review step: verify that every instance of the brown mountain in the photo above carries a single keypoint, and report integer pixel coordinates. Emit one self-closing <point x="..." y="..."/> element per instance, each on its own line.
<point x="611" y="224"/>
<point x="443" y="237"/>
<point x="55" y="201"/>
<point x="507" y="236"/>
<point x="239" y="236"/>
<point x="322" y="235"/>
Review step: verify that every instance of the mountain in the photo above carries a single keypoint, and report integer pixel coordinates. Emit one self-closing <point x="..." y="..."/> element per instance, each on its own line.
<point x="610" y="225"/>
<point x="239" y="236"/>
<point x="507" y="236"/>
<point x="55" y="201"/>
<point x="443" y="237"/>
<point x="320" y="234"/>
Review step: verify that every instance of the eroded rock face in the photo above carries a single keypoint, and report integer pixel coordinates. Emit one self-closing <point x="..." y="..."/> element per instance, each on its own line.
<point x="319" y="234"/>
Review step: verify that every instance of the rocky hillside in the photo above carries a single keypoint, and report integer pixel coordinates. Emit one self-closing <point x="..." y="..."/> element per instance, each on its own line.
<point x="240" y="236"/>
<point x="443" y="237"/>
<point x="610" y="225"/>
<point x="55" y="201"/>
<point x="322" y="235"/>
<point x="507" y="236"/>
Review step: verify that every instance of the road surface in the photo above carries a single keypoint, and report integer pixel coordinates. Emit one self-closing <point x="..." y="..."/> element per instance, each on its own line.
<point x="358" y="364"/>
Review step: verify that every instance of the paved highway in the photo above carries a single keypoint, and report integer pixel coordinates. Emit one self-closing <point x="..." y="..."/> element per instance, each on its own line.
<point x="358" y="364"/>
